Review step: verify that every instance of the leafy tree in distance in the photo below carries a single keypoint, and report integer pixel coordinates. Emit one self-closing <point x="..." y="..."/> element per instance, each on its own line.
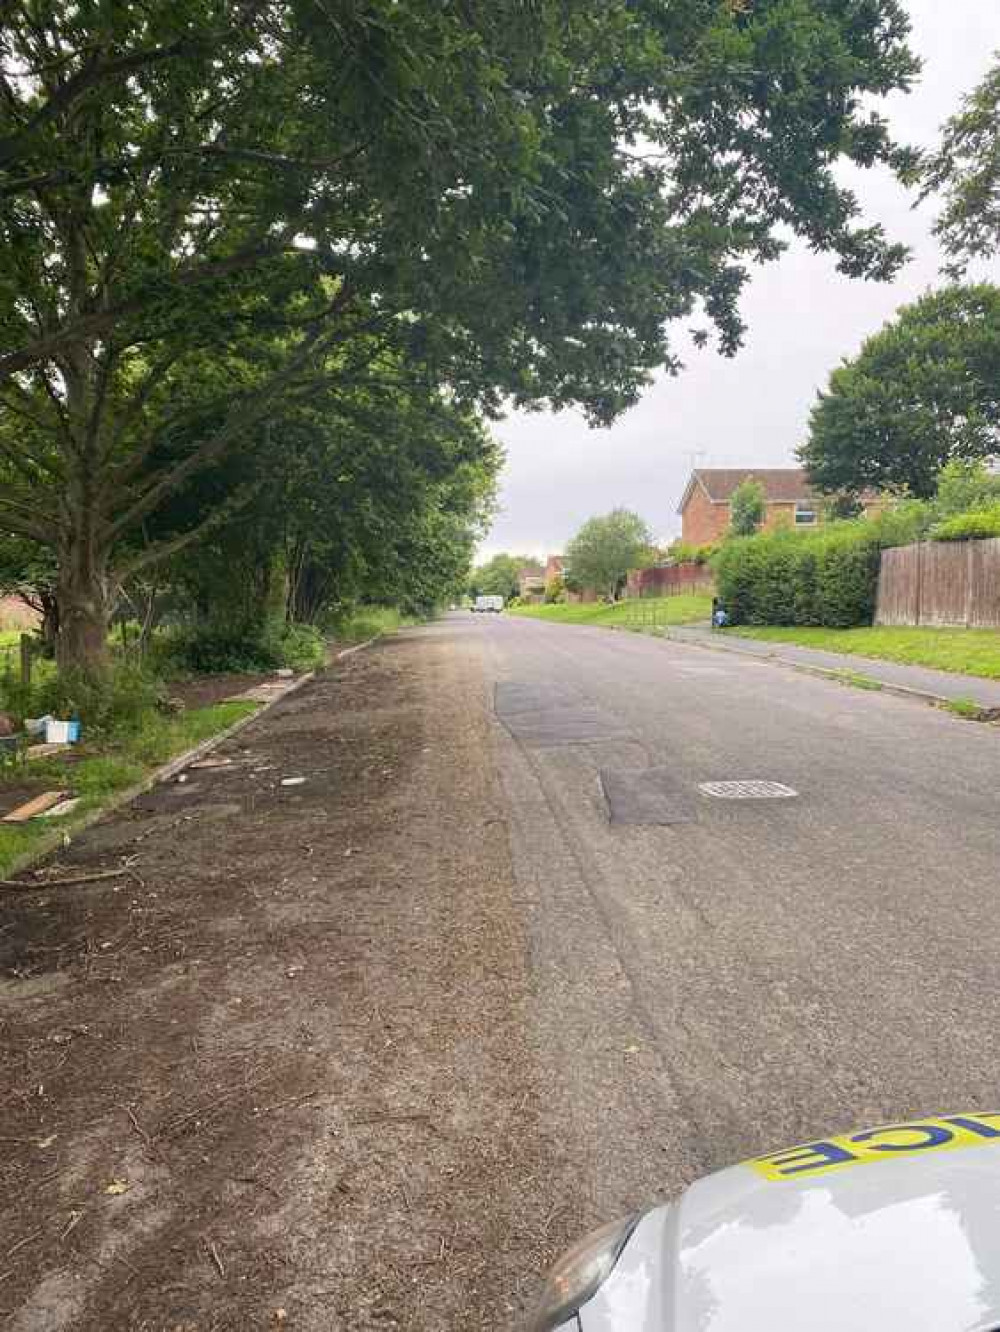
<point x="966" y="170"/>
<point x="498" y="576"/>
<point x="747" y="508"/>
<point x="965" y="485"/>
<point x="604" y="549"/>
<point x="207" y="207"/>
<point x="922" y="391"/>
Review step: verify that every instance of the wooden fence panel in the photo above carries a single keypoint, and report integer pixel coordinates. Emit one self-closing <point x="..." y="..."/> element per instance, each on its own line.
<point x="899" y="586"/>
<point x="984" y="584"/>
<point x="668" y="580"/>
<point x="941" y="583"/>
<point x="944" y="583"/>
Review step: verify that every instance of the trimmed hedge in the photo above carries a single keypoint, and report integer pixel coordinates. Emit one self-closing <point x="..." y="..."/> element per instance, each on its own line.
<point x="828" y="577"/>
<point x="974" y="525"/>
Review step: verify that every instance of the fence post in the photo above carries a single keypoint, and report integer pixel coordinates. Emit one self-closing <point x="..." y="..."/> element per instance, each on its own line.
<point x="919" y="582"/>
<point x="969" y="566"/>
<point x="25" y="660"/>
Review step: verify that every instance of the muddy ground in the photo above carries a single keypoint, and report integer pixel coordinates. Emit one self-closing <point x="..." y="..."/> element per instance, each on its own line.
<point x="276" y="1073"/>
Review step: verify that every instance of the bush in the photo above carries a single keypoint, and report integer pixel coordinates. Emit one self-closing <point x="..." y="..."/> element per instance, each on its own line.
<point x="685" y="552"/>
<point x="827" y="578"/>
<point x="976" y="525"/>
<point x="299" y="646"/>
<point x="210" y="651"/>
<point x="121" y="703"/>
<point x="219" y="651"/>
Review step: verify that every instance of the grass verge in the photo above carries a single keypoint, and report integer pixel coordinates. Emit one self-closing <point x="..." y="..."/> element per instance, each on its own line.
<point x="961" y="651"/>
<point x="689" y="608"/>
<point x="368" y="622"/>
<point x="99" y="775"/>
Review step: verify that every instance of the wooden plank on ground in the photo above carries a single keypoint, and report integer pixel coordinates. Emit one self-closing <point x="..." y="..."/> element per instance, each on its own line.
<point x="36" y="806"/>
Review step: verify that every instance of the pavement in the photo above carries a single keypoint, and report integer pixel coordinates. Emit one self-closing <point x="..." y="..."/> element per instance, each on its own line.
<point x="935" y="685"/>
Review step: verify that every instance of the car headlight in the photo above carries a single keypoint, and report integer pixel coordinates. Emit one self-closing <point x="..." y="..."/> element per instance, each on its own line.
<point x="580" y="1273"/>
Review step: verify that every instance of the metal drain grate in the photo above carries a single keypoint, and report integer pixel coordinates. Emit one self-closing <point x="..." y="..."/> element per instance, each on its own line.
<point x="756" y="790"/>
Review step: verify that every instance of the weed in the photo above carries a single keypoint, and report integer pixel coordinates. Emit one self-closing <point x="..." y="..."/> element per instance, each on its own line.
<point x="965" y="707"/>
<point x="858" y="681"/>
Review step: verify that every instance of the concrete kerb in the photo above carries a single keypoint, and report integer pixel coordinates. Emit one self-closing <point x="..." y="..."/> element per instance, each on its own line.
<point x="347" y="652"/>
<point x="839" y="675"/>
<point x="56" y="838"/>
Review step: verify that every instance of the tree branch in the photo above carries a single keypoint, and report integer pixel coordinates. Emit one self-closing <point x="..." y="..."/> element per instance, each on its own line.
<point x="240" y="419"/>
<point x="93" y="72"/>
<point x="15" y="517"/>
<point x="163" y="550"/>
<point x="95" y="325"/>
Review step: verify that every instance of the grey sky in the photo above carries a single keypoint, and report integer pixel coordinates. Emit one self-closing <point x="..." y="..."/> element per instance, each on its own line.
<point x="804" y="317"/>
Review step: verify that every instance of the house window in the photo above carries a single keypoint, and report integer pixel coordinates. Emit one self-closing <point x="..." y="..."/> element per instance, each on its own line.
<point x="804" y="516"/>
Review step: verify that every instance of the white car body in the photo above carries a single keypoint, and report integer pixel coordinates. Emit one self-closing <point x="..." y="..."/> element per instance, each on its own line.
<point x="894" y="1229"/>
<point x="494" y="604"/>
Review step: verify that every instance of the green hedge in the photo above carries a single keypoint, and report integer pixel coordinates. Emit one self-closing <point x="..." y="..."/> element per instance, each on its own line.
<point x="828" y="577"/>
<point x="974" y="525"/>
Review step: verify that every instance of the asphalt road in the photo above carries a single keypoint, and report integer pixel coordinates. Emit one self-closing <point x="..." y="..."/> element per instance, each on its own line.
<point x="749" y="973"/>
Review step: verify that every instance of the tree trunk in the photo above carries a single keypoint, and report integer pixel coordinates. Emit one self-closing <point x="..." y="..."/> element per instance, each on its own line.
<point x="50" y="621"/>
<point x="84" y="616"/>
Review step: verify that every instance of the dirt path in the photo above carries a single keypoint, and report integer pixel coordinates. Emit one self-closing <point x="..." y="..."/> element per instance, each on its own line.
<point x="279" y="1074"/>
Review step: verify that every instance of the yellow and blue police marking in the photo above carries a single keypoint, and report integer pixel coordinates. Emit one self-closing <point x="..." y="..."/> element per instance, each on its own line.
<point x="878" y="1144"/>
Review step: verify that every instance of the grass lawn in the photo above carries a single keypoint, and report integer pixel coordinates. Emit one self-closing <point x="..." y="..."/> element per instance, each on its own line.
<point x="964" y="651"/>
<point x="99" y="774"/>
<point x="685" y="609"/>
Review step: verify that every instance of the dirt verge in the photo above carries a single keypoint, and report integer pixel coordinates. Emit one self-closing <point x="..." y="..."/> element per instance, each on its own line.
<point x="276" y="1074"/>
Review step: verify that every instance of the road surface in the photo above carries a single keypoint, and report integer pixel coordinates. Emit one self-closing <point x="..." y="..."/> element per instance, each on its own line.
<point x="752" y="972"/>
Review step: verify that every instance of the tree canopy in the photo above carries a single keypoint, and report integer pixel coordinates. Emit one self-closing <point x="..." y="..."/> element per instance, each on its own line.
<point x="211" y="211"/>
<point x="605" y="548"/>
<point x="921" y="392"/>
<point x="966" y="170"/>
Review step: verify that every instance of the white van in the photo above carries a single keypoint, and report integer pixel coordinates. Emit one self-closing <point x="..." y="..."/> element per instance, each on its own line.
<point x="483" y="605"/>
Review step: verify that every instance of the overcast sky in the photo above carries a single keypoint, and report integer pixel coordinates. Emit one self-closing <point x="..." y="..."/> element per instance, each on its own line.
<point x="803" y="318"/>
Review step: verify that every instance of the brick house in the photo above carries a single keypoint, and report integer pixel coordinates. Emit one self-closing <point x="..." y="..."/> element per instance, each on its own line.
<point x="704" y="506"/>
<point x="531" y="582"/>
<point x="14" y="614"/>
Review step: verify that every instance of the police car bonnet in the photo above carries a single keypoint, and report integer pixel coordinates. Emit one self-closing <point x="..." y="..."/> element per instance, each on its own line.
<point x="887" y="1229"/>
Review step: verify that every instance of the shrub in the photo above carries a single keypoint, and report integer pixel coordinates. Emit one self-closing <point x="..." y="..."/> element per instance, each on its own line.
<point x="213" y="651"/>
<point x="685" y="552"/>
<point x="975" y="525"/>
<point x="120" y="703"/>
<point x="555" y="591"/>
<point x="828" y="577"/>
<point x="364" y="622"/>
<point x="299" y="646"/>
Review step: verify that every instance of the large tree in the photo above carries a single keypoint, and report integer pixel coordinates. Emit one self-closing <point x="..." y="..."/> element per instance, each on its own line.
<point x="921" y="392"/>
<point x="605" y="548"/>
<point x="378" y="490"/>
<point x="520" y="196"/>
